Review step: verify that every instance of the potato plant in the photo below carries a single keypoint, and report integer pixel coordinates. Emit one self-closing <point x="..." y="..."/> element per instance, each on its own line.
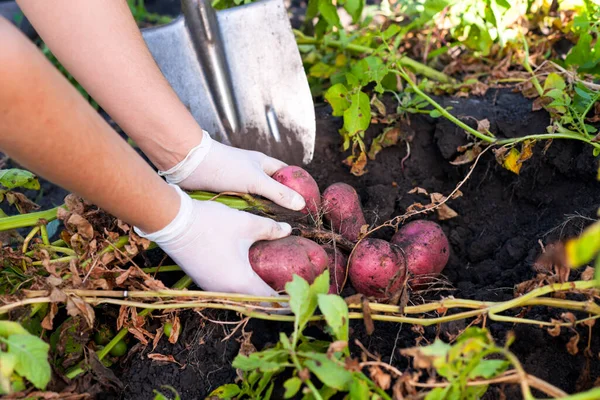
<point x="316" y="369"/>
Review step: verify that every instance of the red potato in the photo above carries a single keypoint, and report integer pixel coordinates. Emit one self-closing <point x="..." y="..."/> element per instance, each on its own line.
<point x="302" y="182"/>
<point x="377" y="268"/>
<point x="337" y="268"/>
<point x="425" y="246"/>
<point x="343" y="210"/>
<point x="276" y="261"/>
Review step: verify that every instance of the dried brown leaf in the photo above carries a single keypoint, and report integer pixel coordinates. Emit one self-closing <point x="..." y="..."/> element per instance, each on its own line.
<point x="483" y="126"/>
<point x="157" y="335"/>
<point x="76" y="306"/>
<point x="81" y="226"/>
<point x="381" y="379"/>
<point x="588" y="274"/>
<point x="418" y="190"/>
<point x="140" y="334"/>
<point x="175" y="330"/>
<point x="572" y="345"/>
<point x="163" y="358"/>
<point x="48" y="321"/>
<point x="74" y="203"/>
<point x="337" y="346"/>
<point x="123" y="314"/>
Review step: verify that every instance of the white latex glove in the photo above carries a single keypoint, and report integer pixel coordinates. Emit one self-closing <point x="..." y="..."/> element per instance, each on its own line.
<point x="215" y="167"/>
<point x="210" y="242"/>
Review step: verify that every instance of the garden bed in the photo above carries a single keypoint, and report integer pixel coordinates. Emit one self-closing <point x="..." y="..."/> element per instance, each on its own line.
<point x="503" y="219"/>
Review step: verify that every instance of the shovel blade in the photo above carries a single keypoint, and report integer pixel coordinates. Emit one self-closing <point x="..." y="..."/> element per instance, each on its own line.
<point x="270" y="89"/>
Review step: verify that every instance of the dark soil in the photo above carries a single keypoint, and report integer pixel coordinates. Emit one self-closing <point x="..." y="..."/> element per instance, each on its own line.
<point x="494" y="242"/>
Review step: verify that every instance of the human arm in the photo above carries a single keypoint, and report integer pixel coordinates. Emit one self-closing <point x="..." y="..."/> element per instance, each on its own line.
<point x="101" y="46"/>
<point x="47" y="127"/>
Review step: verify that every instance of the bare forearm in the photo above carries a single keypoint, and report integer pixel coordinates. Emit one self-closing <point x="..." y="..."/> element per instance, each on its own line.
<point x="101" y="46"/>
<point x="46" y="126"/>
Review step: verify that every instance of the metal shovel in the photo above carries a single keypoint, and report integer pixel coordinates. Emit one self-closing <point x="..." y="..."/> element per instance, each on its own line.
<point x="240" y="74"/>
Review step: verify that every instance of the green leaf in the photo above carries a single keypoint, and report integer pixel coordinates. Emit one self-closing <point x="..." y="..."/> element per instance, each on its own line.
<point x="312" y="9"/>
<point x="266" y="360"/>
<point x="8" y="328"/>
<point x="321" y="70"/>
<point x="437" y="349"/>
<point x="390" y="32"/>
<point x="329" y="372"/>
<point x="302" y="303"/>
<point x="320" y="285"/>
<point x="488" y="369"/>
<point x="292" y="386"/>
<point x="353" y="81"/>
<point x="335" y="310"/>
<point x="585" y="248"/>
<point x="15" y="178"/>
<point x="583" y="54"/>
<point x="337" y="97"/>
<point x="359" y="390"/>
<point x="354" y="8"/>
<point x="160" y="396"/>
<point x="329" y="13"/>
<point x="554" y="81"/>
<point x="8" y="361"/>
<point x="371" y="69"/>
<point x="32" y="358"/>
<point x="437" y="394"/>
<point x="435" y="113"/>
<point x="358" y="116"/>
<point x="226" y="391"/>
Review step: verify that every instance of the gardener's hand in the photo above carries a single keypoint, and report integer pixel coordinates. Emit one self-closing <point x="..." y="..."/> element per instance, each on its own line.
<point x="216" y="167"/>
<point x="211" y="241"/>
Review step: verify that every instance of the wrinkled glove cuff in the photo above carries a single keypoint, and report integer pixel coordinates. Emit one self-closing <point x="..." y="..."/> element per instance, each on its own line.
<point x="177" y="226"/>
<point x="188" y="165"/>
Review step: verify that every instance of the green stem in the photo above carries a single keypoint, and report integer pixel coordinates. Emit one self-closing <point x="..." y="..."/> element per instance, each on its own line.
<point x="50" y="247"/>
<point x="25" y="220"/>
<point x="546" y="136"/>
<point x="525" y="389"/>
<point x="308" y="382"/>
<point x="592" y="394"/>
<point x="534" y="79"/>
<point x="44" y="233"/>
<point x="164" y="268"/>
<point x="231" y="201"/>
<point x="442" y="110"/>
<point x="405" y="61"/>
<point x="56" y="260"/>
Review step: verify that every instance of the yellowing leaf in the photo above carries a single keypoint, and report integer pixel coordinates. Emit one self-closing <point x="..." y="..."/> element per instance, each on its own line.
<point x="584" y="248"/>
<point x="341" y="60"/>
<point x="511" y="161"/>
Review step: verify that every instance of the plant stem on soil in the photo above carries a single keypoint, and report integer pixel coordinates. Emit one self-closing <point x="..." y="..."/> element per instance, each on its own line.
<point x="405" y="61"/>
<point x="487" y="136"/>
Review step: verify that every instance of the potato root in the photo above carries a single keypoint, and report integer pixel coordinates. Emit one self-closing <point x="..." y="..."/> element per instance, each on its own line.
<point x="337" y="268"/>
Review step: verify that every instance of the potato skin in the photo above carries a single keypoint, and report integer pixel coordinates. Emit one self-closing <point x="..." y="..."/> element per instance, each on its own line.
<point x="302" y="182"/>
<point x="337" y="263"/>
<point x="377" y="268"/>
<point x="343" y="210"/>
<point x="425" y="246"/>
<point x="276" y="261"/>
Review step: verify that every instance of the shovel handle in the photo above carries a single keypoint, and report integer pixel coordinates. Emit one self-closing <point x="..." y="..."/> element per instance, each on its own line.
<point x="203" y="25"/>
